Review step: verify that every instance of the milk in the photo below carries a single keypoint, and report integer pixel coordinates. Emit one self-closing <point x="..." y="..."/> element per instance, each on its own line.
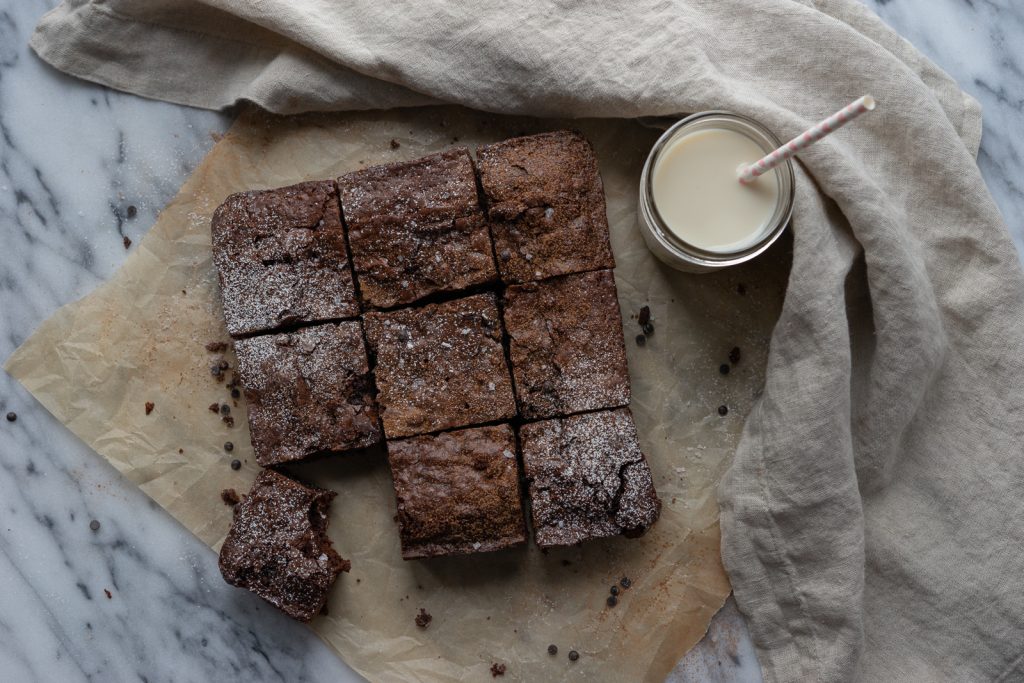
<point x="699" y="198"/>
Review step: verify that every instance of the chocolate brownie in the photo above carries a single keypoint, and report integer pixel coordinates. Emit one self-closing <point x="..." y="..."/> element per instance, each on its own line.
<point x="440" y="366"/>
<point x="587" y="478"/>
<point x="416" y="228"/>
<point x="566" y="345"/>
<point x="458" y="492"/>
<point x="278" y="548"/>
<point x="281" y="258"/>
<point x="309" y="392"/>
<point x="546" y="206"/>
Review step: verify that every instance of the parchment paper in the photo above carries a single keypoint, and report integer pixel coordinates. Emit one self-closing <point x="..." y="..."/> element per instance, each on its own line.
<point x="141" y="336"/>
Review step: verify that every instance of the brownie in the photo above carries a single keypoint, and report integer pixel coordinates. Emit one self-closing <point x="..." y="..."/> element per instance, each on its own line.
<point x="280" y="255"/>
<point x="278" y="548"/>
<point x="545" y="205"/>
<point x="440" y="366"/>
<point x="416" y="228"/>
<point x="458" y="492"/>
<point x="566" y="345"/>
<point x="587" y="478"/>
<point x="309" y="392"/>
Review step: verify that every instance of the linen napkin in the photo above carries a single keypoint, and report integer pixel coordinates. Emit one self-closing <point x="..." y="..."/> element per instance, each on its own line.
<point x="870" y="521"/>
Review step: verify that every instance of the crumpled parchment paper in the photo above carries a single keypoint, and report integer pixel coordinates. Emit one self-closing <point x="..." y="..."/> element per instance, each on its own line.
<point x="141" y="337"/>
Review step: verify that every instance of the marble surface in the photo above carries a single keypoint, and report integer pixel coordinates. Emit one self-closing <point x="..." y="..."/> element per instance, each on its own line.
<point x="139" y="598"/>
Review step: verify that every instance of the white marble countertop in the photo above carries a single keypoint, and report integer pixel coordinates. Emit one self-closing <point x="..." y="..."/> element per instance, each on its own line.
<point x="75" y="159"/>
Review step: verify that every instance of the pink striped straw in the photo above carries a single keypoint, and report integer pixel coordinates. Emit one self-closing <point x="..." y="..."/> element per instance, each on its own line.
<point x="749" y="172"/>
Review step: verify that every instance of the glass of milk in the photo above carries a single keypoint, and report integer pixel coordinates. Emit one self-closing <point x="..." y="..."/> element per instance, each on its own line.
<point x="694" y="213"/>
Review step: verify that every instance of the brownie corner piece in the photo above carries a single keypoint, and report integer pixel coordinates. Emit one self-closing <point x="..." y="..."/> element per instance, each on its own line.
<point x="308" y="392"/>
<point x="546" y="206"/>
<point x="587" y="478"/>
<point x="281" y="258"/>
<point x="566" y="345"/>
<point x="416" y="228"/>
<point x="457" y="492"/>
<point x="440" y="366"/>
<point x="277" y="546"/>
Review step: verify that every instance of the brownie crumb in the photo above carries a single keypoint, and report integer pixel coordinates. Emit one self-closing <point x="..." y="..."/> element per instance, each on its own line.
<point x="641" y="340"/>
<point x="217" y="347"/>
<point x="94" y="525"/>
<point x="566" y="563"/>
<point x="573" y="655"/>
<point x="395" y="144"/>
<point x="228" y="446"/>
<point x="497" y="670"/>
<point x="108" y="594"/>
<point x="236" y="464"/>
<point x="552" y="649"/>
<point x="127" y="241"/>
<point x="625" y="582"/>
<point x="228" y="420"/>
<point x="12" y="416"/>
<point x="734" y="355"/>
<point x="741" y="289"/>
<point x="614" y="590"/>
<point x="612" y="601"/>
<point x="645" y="316"/>
<point x="424" y="618"/>
<point x="181" y="450"/>
<point x="131" y="211"/>
<point x="230" y="497"/>
<point x="724" y="368"/>
<point x="215" y="408"/>
<point x="149" y="407"/>
<point x="723" y="410"/>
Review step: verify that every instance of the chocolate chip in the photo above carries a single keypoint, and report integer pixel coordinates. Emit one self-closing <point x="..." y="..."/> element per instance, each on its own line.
<point x="94" y="525"/>
<point x="216" y="370"/>
<point x="423" y="619"/>
<point x="497" y="669"/>
<point x="12" y="416"/>
<point x="645" y="316"/>
<point x="228" y="446"/>
<point x="648" y="328"/>
<point x="235" y="393"/>
<point x="724" y="368"/>
<point x="723" y="410"/>
<point x="236" y="464"/>
<point x="625" y="582"/>
<point x="741" y="289"/>
<point x="552" y="649"/>
<point x="641" y="340"/>
<point x="734" y="355"/>
<point x="225" y="409"/>
<point x="612" y="601"/>
<point x="149" y="407"/>
<point x="127" y="241"/>
<point x="614" y="590"/>
<point x="573" y="655"/>
<point x="131" y="211"/>
<point x="224" y="365"/>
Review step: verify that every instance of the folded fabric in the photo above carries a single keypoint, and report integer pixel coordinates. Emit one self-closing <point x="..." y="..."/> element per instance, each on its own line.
<point x="870" y="521"/>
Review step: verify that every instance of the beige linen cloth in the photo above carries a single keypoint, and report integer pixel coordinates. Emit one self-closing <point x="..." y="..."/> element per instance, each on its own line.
<point x="872" y="519"/>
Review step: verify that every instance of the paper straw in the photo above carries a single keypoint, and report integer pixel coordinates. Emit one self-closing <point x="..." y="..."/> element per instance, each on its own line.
<point x="748" y="173"/>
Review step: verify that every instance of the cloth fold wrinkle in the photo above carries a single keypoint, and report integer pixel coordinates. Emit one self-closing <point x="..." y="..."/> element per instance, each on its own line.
<point x="894" y="395"/>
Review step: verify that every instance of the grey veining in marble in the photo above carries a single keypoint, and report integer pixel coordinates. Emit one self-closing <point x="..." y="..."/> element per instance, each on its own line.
<point x="74" y="157"/>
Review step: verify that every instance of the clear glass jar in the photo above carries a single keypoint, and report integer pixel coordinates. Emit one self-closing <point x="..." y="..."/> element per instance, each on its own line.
<point x="669" y="247"/>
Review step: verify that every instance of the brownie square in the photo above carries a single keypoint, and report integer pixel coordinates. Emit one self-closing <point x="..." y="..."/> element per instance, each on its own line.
<point x="546" y="206"/>
<point x="309" y="392"/>
<point x="566" y="345"/>
<point x="416" y="228"/>
<point x="280" y="255"/>
<point x="440" y="366"/>
<point x="587" y="478"/>
<point x="278" y="548"/>
<point x="458" y="492"/>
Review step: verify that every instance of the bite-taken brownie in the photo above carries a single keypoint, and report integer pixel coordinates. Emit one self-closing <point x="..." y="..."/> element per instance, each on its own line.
<point x="416" y="228"/>
<point x="566" y="345"/>
<point x="546" y="206"/>
<point x="281" y="259"/>
<point x="278" y="548"/>
<point x="309" y="392"/>
<point x="440" y="366"/>
<point x="458" y="492"/>
<point x="587" y="478"/>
